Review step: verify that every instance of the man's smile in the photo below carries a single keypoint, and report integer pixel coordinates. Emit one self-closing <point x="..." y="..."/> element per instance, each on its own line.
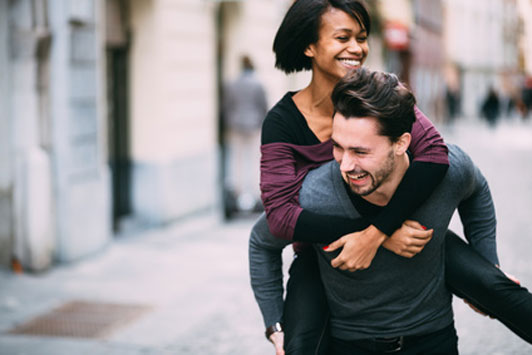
<point x="358" y="179"/>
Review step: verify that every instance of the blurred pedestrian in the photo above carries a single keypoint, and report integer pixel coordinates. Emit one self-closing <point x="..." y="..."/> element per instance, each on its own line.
<point x="452" y="99"/>
<point x="526" y="97"/>
<point x="491" y="107"/>
<point x="244" y="108"/>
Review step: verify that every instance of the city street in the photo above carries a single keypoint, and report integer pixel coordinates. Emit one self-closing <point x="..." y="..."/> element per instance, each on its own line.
<point x="192" y="276"/>
<point x="504" y="154"/>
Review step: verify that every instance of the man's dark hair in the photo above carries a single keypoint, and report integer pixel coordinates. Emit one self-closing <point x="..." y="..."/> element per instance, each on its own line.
<point x="366" y="93"/>
<point x="300" y="28"/>
<point x="246" y="63"/>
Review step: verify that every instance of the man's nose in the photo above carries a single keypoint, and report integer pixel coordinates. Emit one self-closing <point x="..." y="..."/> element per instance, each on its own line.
<point x="347" y="164"/>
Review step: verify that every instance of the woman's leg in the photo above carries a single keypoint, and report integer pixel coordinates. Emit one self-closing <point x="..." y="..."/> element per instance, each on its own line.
<point x="305" y="315"/>
<point x="470" y="276"/>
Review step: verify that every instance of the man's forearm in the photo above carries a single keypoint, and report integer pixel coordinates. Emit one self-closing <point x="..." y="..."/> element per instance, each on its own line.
<point x="265" y="269"/>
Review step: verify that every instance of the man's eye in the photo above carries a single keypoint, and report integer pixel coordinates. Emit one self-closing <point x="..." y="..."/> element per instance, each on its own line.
<point x="337" y="148"/>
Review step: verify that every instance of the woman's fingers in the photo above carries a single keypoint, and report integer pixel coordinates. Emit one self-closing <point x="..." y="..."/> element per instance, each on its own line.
<point x="335" y="245"/>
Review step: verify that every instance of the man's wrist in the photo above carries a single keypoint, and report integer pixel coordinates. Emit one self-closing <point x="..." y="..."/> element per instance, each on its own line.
<point x="277" y="327"/>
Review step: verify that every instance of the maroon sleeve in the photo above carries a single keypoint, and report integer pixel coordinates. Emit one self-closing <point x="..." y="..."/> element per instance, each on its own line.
<point x="427" y="144"/>
<point x="283" y="167"/>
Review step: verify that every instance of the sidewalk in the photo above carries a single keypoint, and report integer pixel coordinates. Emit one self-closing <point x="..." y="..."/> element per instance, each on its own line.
<point x="193" y="277"/>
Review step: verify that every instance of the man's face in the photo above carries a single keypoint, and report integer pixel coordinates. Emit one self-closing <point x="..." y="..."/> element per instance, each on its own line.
<point x="366" y="158"/>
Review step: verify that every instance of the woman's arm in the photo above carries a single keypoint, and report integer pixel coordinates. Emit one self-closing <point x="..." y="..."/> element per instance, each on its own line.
<point x="282" y="175"/>
<point x="281" y="181"/>
<point x="289" y="150"/>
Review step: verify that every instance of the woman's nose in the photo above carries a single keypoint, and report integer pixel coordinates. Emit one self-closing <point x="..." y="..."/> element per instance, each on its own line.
<point x="354" y="47"/>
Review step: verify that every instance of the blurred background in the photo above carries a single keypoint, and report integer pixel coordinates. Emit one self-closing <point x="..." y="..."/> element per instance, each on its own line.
<point x="114" y="114"/>
<point x="112" y="110"/>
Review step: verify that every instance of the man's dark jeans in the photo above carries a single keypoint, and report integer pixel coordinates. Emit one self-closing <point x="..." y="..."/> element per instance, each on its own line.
<point x="468" y="275"/>
<point x="441" y="342"/>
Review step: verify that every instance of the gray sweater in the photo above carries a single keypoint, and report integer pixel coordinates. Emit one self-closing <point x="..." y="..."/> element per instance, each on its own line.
<point x="396" y="295"/>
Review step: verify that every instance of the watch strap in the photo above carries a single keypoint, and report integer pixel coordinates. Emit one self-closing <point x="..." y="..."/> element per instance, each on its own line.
<point x="276" y="327"/>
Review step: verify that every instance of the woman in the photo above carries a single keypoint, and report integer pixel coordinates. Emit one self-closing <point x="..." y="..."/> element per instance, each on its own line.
<point x="330" y="38"/>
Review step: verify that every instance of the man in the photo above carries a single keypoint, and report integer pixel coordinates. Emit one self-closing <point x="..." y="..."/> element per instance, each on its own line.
<point x="244" y="108"/>
<point x="396" y="303"/>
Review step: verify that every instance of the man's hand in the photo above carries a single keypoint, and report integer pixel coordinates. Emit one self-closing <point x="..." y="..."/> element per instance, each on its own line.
<point x="359" y="249"/>
<point x="277" y="338"/>
<point x="408" y="240"/>
<point x="510" y="276"/>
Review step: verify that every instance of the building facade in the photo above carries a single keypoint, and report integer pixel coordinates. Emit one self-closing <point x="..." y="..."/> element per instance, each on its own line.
<point x="525" y="42"/>
<point x="481" y="46"/>
<point x="110" y="114"/>
<point x="428" y="59"/>
<point x="110" y="108"/>
<point x="55" y="181"/>
<point x="413" y="49"/>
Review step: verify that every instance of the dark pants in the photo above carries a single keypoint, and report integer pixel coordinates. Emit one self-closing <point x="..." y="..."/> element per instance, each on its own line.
<point x="468" y="275"/>
<point x="442" y="342"/>
<point x="306" y="314"/>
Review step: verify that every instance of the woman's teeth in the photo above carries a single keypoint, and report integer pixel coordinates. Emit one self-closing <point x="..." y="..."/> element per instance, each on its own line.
<point x="351" y="62"/>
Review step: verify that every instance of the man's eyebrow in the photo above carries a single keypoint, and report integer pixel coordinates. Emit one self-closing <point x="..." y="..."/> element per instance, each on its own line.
<point x="359" y="149"/>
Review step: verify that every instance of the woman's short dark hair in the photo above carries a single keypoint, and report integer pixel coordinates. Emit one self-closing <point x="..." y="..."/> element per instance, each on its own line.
<point x="366" y="93"/>
<point x="300" y="28"/>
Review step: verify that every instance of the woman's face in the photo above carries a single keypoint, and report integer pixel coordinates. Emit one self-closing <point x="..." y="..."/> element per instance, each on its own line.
<point x="342" y="45"/>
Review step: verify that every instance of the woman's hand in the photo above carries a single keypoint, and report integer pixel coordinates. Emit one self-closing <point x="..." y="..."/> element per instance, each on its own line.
<point x="359" y="249"/>
<point x="408" y="240"/>
<point x="277" y="338"/>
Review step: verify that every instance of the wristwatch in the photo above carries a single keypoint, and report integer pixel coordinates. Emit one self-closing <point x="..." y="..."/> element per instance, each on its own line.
<point x="277" y="327"/>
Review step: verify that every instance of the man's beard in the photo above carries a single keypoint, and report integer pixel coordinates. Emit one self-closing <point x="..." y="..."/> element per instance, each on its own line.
<point x="377" y="179"/>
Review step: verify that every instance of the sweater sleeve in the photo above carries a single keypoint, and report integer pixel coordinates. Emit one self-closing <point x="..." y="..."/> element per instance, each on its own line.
<point x="427" y="170"/>
<point x="266" y="273"/>
<point x="477" y="211"/>
<point x="281" y="180"/>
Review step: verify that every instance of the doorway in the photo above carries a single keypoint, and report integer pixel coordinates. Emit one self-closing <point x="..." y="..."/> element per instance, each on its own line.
<point x="117" y="41"/>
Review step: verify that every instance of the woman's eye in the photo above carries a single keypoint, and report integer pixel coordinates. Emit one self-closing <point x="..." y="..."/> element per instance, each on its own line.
<point x="342" y="38"/>
<point x="362" y="39"/>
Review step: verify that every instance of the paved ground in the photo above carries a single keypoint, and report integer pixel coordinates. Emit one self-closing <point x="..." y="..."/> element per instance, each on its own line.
<point x="194" y="274"/>
<point x="504" y="154"/>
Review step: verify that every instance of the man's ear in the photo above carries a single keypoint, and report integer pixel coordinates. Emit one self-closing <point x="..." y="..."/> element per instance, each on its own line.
<point x="402" y="144"/>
